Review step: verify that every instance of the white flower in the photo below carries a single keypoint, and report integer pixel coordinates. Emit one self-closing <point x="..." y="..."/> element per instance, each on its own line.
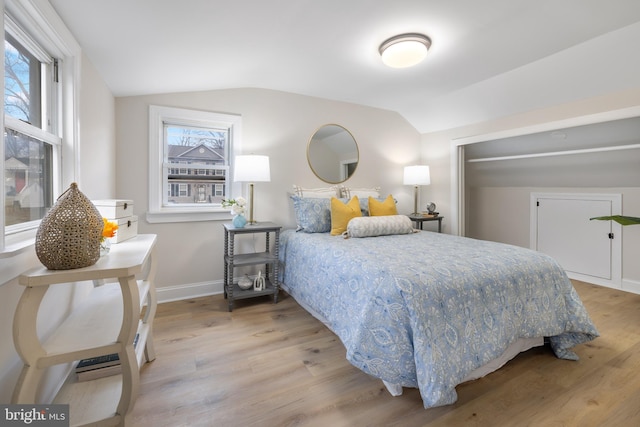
<point x="237" y="209"/>
<point x="237" y="206"/>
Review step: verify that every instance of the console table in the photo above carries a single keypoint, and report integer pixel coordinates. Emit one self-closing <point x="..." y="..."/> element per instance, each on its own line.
<point x="106" y="322"/>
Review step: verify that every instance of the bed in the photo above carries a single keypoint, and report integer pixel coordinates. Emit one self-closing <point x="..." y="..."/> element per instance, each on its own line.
<point x="432" y="310"/>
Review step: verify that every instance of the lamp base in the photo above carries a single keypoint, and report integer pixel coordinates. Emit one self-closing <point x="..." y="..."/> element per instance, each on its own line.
<point x="415" y="201"/>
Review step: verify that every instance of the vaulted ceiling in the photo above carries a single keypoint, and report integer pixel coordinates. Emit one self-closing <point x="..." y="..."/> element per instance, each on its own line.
<point x="488" y="58"/>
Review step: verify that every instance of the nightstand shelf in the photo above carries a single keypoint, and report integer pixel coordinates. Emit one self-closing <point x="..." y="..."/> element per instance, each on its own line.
<point x="239" y="293"/>
<point x="268" y="258"/>
<point x="241" y="260"/>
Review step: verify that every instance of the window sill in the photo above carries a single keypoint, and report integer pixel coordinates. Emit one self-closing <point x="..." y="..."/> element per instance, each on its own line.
<point x="15" y="245"/>
<point x="163" y="217"/>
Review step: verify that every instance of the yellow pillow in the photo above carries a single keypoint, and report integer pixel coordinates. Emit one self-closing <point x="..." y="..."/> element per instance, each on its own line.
<point x="342" y="213"/>
<point x="387" y="207"/>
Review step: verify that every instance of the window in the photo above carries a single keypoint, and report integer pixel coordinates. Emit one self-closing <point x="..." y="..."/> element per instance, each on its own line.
<point x="31" y="134"/>
<point x="191" y="155"/>
<point x="184" y="191"/>
<point x="38" y="116"/>
<point x="182" y="171"/>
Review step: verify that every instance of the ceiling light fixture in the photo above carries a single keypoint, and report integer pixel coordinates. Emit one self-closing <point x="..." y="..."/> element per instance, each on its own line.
<point x="404" y="50"/>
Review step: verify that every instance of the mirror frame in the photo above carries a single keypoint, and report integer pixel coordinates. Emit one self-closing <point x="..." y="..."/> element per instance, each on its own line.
<point x="343" y="166"/>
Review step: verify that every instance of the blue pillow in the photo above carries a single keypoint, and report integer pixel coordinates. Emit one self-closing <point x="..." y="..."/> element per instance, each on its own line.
<point x="313" y="215"/>
<point x="364" y="205"/>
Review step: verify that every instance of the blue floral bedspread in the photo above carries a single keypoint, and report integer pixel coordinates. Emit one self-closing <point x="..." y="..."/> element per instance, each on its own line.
<point x="426" y="309"/>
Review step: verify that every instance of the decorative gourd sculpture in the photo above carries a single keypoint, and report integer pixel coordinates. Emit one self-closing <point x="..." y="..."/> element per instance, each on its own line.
<point x="69" y="234"/>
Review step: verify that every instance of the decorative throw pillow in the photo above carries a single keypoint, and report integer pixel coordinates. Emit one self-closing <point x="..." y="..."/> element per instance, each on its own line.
<point x="371" y="226"/>
<point x="386" y="207"/>
<point x="363" y="193"/>
<point x="324" y="192"/>
<point x="342" y="213"/>
<point x="313" y="215"/>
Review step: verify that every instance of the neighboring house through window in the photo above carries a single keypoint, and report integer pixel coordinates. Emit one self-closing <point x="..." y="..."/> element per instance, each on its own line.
<point x="30" y="134"/>
<point x="191" y="155"/>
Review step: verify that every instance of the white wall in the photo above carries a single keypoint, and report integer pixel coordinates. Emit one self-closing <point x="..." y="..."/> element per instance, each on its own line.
<point x="97" y="134"/>
<point x="276" y="124"/>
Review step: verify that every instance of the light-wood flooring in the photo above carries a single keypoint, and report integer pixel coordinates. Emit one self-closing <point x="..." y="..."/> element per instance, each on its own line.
<point x="275" y="365"/>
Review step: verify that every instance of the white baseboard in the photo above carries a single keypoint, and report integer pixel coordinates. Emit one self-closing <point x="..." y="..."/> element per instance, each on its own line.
<point x="631" y="286"/>
<point x="188" y="291"/>
<point x="195" y="290"/>
<point x="192" y="290"/>
<point x="594" y="280"/>
<point x="626" y="285"/>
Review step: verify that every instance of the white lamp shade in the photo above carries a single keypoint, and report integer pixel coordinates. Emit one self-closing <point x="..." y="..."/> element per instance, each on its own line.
<point x="251" y="168"/>
<point x="417" y="175"/>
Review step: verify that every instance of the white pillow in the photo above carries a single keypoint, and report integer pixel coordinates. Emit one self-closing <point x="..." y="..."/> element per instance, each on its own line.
<point x="318" y="193"/>
<point x="362" y="193"/>
<point x="371" y="226"/>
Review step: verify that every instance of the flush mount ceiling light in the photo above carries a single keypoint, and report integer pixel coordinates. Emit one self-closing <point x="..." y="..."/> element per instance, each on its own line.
<point x="404" y="50"/>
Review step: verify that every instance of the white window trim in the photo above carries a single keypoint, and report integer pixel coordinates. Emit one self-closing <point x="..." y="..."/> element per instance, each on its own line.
<point x="158" y="115"/>
<point x="42" y="23"/>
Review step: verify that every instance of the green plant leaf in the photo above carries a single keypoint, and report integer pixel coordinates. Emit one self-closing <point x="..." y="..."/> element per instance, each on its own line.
<point x="623" y="220"/>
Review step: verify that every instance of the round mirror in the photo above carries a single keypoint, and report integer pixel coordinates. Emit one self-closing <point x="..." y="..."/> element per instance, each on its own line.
<point x="332" y="154"/>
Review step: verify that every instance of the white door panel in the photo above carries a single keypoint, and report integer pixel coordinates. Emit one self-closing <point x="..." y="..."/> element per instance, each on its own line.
<point x="565" y="232"/>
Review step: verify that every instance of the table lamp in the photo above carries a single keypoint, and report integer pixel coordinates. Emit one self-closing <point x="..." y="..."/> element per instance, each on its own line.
<point x="416" y="176"/>
<point x="251" y="168"/>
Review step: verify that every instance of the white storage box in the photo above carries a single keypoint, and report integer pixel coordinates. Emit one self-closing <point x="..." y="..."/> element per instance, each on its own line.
<point x="114" y="208"/>
<point x="127" y="228"/>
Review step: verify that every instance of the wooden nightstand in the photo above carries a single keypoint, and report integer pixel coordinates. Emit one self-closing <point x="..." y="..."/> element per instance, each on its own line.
<point x="420" y="219"/>
<point x="269" y="258"/>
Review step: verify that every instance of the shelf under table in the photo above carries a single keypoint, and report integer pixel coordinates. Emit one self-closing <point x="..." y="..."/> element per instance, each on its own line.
<point x="240" y="260"/>
<point x="98" y="322"/>
<point x="239" y="293"/>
